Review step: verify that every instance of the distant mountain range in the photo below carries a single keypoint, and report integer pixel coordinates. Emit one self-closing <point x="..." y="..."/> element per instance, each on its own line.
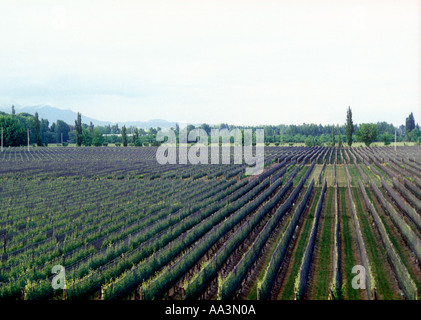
<point x="53" y="114"/>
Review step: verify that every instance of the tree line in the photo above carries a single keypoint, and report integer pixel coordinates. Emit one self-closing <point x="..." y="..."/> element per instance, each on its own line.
<point x="41" y="133"/>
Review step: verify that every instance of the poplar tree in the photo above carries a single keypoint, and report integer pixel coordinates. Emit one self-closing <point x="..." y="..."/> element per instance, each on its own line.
<point x="37" y="130"/>
<point x="409" y="126"/>
<point x="78" y="127"/>
<point x="124" y="136"/>
<point x="349" y="126"/>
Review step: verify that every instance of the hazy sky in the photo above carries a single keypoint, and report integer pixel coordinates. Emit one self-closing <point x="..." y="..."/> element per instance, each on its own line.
<point x="241" y="62"/>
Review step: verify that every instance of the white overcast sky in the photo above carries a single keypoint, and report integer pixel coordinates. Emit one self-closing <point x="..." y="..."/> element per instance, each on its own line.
<point x="240" y="62"/>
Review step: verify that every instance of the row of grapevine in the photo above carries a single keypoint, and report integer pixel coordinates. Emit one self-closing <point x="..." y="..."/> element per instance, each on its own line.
<point x="335" y="288"/>
<point x="230" y="282"/>
<point x="154" y="219"/>
<point x="405" y="280"/>
<point x="362" y="250"/>
<point x="386" y="168"/>
<point x="209" y="231"/>
<point x="413" y="188"/>
<point x="265" y="286"/>
<point x="410" y="236"/>
<point x="403" y="205"/>
<point x="348" y="176"/>
<point x="208" y="271"/>
<point x="407" y="194"/>
<point x="211" y="267"/>
<point x="84" y="283"/>
<point x="301" y="280"/>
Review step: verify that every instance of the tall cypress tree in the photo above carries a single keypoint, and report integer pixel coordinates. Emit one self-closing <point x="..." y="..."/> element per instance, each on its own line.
<point x="37" y="130"/>
<point x="124" y="136"/>
<point x="333" y="136"/>
<point x="78" y="127"/>
<point x="409" y="125"/>
<point x="349" y="126"/>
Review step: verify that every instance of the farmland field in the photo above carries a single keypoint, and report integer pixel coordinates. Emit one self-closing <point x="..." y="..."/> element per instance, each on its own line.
<point x="125" y="227"/>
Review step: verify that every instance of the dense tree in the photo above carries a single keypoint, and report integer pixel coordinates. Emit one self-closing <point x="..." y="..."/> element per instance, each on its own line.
<point x="62" y="128"/>
<point x="415" y="135"/>
<point x="312" y="141"/>
<point x="136" y="138"/>
<point x="86" y="138"/>
<point x="386" y="138"/>
<point x="349" y="126"/>
<point x="333" y="136"/>
<point x="97" y="138"/>
<point x="367" y="133"/>
<point x="153" y="131"/>
<point x="115" y="129"/>
<point x="206" y="127"/>
<point x="14" y="134"/>
<point x="13" y="110"/>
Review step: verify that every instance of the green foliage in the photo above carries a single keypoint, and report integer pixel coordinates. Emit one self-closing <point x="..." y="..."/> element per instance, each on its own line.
<point x="414" y="135"/>
<point x="97" y="138"/>
<point x="86" y="138"/>
<point x="311" y="141"/>
<point x="78" y="128"/>
<point x="367" y="133"/>
<point x="14" y="133"/>
<point x="61" y="128"/>
<point x="386" y="138"/>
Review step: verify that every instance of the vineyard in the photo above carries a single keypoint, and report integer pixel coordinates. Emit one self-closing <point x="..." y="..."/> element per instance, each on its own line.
<point x="126" y="227"/>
